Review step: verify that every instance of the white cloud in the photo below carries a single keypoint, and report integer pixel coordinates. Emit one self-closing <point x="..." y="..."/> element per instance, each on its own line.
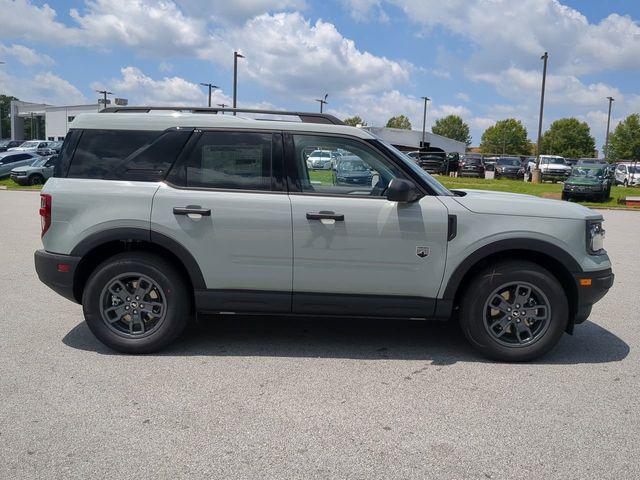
<point x="238" y="11"/>
<point x="366" y="10"/>
<point x="463" y="96"/>
<point x="44" y="87"/>
<point x="25" y="55"/>
<point x="290" y="55"/>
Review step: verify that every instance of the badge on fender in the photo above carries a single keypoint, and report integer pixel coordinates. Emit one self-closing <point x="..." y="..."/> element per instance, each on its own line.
<point x="423" y="251"/>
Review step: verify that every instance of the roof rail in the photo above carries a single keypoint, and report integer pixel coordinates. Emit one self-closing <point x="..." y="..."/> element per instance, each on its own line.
<point x="305" y="117"/>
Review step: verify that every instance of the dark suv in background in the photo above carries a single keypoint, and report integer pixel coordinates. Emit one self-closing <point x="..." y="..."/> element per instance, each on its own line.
<point x="471" y="166"/>
<point x="509" y="167"/>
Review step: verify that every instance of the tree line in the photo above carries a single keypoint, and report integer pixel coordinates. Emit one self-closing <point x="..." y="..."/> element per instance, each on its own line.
<point x="567" y="137"/>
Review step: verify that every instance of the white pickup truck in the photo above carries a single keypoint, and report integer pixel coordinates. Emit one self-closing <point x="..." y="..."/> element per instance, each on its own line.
<point x="552" y="167"/>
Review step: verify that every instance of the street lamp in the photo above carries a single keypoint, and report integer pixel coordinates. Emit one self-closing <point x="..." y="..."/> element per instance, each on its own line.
<point x="424" y="121"/>
<point x="323" y="101"/>
<point x="210" y="85"/>
<point x="236" y="56"/>
<point x="222" y="105"/>
<point x="606" y="141"/>
<point x="535" y="176"/>
<point x="1" y="63"/>
<point x="105" y="93"/>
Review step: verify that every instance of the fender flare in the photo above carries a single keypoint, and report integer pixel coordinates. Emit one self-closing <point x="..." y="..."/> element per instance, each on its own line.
<point x="140" y="234"/>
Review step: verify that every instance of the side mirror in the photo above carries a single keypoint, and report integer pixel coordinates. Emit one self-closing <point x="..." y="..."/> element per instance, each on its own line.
<point x="402" y="191"/>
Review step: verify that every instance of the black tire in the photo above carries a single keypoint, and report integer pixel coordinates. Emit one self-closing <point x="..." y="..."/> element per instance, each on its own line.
<point x="625" y="183"/>
<point x="165" y="275"/>
<point x="36" y="179"/>
<point x="565" y="196"/>
<point x="482" y="286"/>
<point x="496" y="176"/>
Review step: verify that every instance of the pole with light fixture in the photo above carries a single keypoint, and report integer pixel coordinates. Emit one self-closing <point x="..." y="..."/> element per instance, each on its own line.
<point x="323" y="101"/>
<point x="606" y="141"/>
<point x="236" y="56"/>
<point x="210" y="86"/>
<point x="535" y="175"/>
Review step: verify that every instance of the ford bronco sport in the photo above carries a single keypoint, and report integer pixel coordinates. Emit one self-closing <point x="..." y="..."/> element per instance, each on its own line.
<point x="154" y="215"/>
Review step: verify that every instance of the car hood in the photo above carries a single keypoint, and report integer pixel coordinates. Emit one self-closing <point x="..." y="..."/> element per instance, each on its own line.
<point x="504" y="203"/>
<point x="353" y="174"/>
<point x="26" y="168"/>
<point x="582" y="181"/>
<point x="555" y="166"/>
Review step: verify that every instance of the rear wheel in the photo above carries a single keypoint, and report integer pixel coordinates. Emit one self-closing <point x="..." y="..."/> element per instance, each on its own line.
<point x="565" y="196"/>
<point x="136" y="302"/>
<point x="625" y="183"/>
<point x="514" y="311"/>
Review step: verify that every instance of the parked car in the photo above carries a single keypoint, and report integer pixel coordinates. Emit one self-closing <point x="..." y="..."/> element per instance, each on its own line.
<point x="509" y="167"/>
<point x="36" y="173"/>
<point x="590" y="161"/>
<point x="350" y="170"/>
<point x="56" y="146"/>
<point x="490" y="162"/>
<point x="432" y="161"/>
<point x="322" y="159"/>
<point x="32" y="146"/>
<point x="471" y="166"/>
<point x="155" y="217"/>
<point x="552" y="167"/>
<point x="7" y="144"/>
<point x="10" y="160"/>
<point x="627" y="174"/>
<point x="588" y="182"/>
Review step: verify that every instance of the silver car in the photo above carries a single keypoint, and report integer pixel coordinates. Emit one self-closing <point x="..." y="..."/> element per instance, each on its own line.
<point x="36" y="173"/>
<point x="11" y="159"/>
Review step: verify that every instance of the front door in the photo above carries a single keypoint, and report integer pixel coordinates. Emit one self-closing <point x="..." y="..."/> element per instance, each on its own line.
<point x="355" y="252"/>
<point x="225" y="207"/>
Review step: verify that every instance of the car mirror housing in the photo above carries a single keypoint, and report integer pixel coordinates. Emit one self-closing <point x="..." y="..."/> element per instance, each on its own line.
<point x="402" y="191"/>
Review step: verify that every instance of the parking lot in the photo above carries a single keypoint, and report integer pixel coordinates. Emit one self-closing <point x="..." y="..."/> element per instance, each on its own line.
<point x="255" y="397"/>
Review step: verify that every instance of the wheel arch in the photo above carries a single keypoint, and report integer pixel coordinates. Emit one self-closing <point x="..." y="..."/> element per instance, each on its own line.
<point x="99" y="246"/>
<point x="549" y="256"/>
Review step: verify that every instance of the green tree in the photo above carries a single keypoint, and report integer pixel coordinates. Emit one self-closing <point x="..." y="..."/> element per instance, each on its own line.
<point x="568" y="137"/>
<point x="399" y="122"/>
<point x="452" y="127"/>
<point x="5" y="106"/>
<point x="624" y="141"/>
<point x="354" y="121"/>
<point x="506" y="136"/>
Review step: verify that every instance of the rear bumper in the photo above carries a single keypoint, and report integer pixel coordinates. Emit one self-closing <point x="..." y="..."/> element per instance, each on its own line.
<point x="57" y="272"/>
<point x="600" y="283"/>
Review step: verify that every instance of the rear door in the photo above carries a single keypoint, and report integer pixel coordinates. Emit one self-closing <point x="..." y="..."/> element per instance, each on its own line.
<point x="224" y="202"/>
<point x="355" y="252"/>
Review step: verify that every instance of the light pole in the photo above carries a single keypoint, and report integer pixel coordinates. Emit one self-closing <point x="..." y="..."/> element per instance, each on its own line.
<point x="606" y="140"/>
<point x="236" y="56"/>
<point x="222" y="105"/>
<point x="535" y="176"/>
<point x="1" y="63"/>
<point x="323" y="101"/>
<point x="104" y="93"/>
<point x="424" y="121"/>
<point x="210" y="85"/>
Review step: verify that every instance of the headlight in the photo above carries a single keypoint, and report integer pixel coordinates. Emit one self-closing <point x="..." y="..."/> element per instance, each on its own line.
<point x="595" y="237"/>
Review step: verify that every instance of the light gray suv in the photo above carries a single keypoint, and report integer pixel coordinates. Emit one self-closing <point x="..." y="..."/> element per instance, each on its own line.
<point x="153" y="218"/>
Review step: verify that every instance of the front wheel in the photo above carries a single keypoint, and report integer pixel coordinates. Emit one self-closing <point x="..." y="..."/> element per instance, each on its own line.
<point x="36" y="179"/>
<point x="514" y="311"/>
<point x="136" y="302"/>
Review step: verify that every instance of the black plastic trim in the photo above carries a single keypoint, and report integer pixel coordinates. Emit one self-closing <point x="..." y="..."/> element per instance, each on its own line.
<point x="387" y="306"/>
<point x="125" y="234"/>
<point x="247" y="301"/>
<point x="529" y="244"/>
<point x="452" y="227"/>
<point x="46" y="264"/>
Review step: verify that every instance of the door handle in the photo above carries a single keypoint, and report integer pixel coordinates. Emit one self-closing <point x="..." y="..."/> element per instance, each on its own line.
<point x="325" y="215"/>
<point x="192" y="210"/>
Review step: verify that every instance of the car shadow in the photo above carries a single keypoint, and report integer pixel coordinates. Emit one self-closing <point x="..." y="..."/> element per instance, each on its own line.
<point x="370" y="339"/>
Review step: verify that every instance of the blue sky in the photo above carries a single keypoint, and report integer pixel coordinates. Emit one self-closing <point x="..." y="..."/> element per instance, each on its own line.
<point x="375" y="58"/>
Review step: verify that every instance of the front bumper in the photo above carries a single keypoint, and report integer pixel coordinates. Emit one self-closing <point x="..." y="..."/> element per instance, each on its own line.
<point x="591" y="286"/>
<point x="57" y="272"/>
<point x="19" y="179"/>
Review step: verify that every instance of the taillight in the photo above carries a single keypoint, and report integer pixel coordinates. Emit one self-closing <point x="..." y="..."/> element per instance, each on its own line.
<point x="45" y="213"/>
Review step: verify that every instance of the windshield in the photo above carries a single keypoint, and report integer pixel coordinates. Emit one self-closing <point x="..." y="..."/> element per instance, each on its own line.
<point x="513" y="162"/>
<point x="352" y="166"/>
<point x="635" y="169"/>
<point x="406" y="160"/>
<point x="40" y="162"/>
<point x="30" y="144"/>
<point x="587" y="172"/>
<point x="554" y="161"/>
<point x="4" y="143"/>
<point x="319" y="154"/>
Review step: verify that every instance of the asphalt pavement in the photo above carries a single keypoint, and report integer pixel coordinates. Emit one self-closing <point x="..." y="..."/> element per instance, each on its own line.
<point x="270" y="398"/>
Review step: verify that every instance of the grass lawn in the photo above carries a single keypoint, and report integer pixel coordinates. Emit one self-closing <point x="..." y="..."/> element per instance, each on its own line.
<point x="11" y="185"/>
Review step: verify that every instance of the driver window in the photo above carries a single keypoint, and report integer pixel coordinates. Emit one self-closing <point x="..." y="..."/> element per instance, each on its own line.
<point x="341" y="166"/>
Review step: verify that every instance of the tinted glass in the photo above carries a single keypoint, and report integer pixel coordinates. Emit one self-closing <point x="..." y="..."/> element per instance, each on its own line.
<point x="231" y="160"/>
<point x="359" y="171"/>
<point x="154" y="161"/>
<point x="102" y="153"/>
<point x="66" y="152"/>
<point x="15" y="158"/>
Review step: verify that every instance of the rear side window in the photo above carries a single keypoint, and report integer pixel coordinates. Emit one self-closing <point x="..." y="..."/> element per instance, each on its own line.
<point x="101" y="153"/>
<point x="231" y="160"/>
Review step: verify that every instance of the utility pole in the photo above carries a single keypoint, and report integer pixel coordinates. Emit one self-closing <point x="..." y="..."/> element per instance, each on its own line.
<point x="104" y="93"/>
<point x="236" y="56"/>
<point x="424" y="121"/>
<point x="1" y="63"/>
<point x="606" y="141"/>
<point x="535" y="175"/>
<point x="223" y="105"/>
<point x="323" y="101"/>
<point x="210" y="85"/>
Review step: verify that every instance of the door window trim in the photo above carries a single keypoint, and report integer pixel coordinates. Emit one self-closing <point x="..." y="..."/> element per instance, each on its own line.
<point x="175" y="180"/>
